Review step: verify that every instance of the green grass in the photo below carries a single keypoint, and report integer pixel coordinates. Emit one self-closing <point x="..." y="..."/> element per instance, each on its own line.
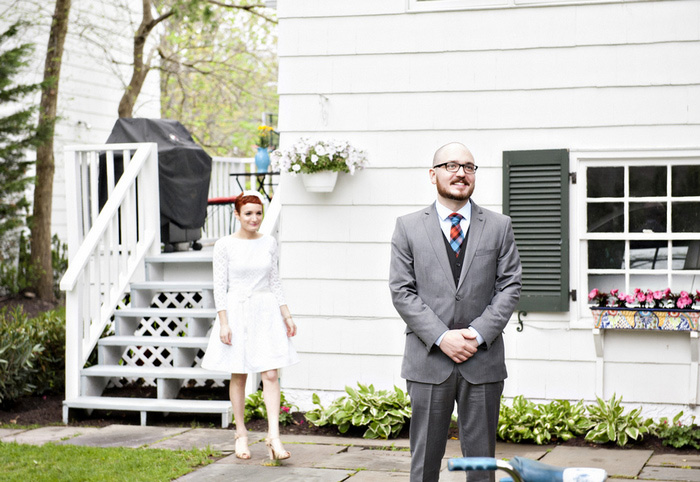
<point x="52" y="462"/>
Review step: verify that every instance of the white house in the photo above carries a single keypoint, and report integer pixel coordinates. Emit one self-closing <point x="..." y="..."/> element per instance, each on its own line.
<point x="603" y="93"/>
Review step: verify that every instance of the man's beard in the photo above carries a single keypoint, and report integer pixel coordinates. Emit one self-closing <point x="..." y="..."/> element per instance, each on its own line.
<point x="442" y="191"/>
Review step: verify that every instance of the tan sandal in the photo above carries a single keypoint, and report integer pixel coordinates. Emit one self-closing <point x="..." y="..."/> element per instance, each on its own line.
<point x="276" y="449"/>
<point x="242" y="450"/>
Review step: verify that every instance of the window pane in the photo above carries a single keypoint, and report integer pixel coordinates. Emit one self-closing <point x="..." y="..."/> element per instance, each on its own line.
<point x="685" y="217"/>
<point x="686" y="254"/>
<point x="606" y="254"/>
<point x="648" y="254"/>
<point x="647" y="181"/>
<point x="648" y="282"/>
<point x="685" y="180"/>
<point x="605" y="181"/>
<point x="647" y="217"/>
<point x="606" y="282"/>
<point x="606" y="217"/>
<point x="684" y="283"/>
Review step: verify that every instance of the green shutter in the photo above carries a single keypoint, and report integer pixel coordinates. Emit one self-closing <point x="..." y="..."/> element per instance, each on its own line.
<point x="536" y="197"/>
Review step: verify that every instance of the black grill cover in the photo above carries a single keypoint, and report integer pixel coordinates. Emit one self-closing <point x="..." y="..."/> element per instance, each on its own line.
<point x="184" y="169"/>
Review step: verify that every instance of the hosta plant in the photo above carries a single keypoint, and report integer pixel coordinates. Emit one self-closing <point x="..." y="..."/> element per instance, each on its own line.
<point x="612" y="424"/>
<point x="382" y="412"/>
<point x="559" y="420"/>
<point x="255" y="408"/>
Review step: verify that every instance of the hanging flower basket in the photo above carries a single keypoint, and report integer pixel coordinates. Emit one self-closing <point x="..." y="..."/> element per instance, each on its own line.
<point x="323" y="181"/>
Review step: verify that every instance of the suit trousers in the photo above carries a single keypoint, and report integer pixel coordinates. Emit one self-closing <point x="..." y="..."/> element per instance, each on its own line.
<point x="432" y="406"/>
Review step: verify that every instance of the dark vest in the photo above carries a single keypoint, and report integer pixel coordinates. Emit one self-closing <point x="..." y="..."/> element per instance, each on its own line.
<point x="456" y="261"/>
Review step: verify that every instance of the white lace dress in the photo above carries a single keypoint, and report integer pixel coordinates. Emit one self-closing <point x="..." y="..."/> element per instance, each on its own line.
<point x="247" y="286"/>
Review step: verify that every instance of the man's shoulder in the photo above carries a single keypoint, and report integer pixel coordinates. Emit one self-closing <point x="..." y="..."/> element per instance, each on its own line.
<point x="489" y="214"/>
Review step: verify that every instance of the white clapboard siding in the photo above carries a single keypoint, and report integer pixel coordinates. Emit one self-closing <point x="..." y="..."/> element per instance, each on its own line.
<point x="400" y="83"/>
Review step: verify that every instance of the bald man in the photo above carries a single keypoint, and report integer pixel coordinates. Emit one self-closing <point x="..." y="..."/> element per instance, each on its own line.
<point x="455" y="279"/>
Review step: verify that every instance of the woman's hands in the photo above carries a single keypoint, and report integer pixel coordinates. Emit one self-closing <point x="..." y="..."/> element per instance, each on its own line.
<point x="291" y="327"/>
<point x="224" y="329"/>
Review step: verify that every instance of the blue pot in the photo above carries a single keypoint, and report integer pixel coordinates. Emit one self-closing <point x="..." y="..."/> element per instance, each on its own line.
<point x="262" y="159"/>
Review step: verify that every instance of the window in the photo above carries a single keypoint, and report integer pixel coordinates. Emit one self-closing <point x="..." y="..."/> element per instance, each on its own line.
<point x="640" y="220"/>
<point x="536" y="197"/>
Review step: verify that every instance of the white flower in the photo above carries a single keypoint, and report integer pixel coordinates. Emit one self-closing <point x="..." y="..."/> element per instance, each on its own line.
<point x="314" y="158"/>
<point x="305" y="156"/>
<point x="296" y="167"/>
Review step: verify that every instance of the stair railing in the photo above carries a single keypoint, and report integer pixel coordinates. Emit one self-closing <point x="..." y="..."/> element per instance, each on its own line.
<point x="105" y="246"/>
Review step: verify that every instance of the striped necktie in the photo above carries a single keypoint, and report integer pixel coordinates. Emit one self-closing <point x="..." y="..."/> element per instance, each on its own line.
<point x="456" y="235"/>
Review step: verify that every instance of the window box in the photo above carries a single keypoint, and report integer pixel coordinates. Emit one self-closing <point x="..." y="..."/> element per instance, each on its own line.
<point x="645" y="319"/>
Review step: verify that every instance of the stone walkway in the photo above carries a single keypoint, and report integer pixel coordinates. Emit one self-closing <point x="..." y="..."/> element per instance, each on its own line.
<point x="336" y="459"/>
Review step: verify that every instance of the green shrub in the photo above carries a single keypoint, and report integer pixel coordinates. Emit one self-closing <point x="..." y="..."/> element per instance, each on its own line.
<point x="255" y="408"/>
<point x="384" y="413"/>
<point x="676" y="434"/>
<point x="559" y="420"/>
<point x="611" y="424"/>
<point x="49" y="330"/>
<point x="24" y="276"/>
<point x="18" y="352"/>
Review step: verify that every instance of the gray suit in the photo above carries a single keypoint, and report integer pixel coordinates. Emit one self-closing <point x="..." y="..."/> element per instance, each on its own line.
<point x="424" y="293"/>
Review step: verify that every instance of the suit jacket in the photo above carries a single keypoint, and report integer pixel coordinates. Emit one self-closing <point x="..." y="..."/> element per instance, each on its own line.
<point x="424" y="293"/>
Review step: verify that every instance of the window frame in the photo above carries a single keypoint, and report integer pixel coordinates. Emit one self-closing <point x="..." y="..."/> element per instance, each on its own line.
<point x="583" y="159"/>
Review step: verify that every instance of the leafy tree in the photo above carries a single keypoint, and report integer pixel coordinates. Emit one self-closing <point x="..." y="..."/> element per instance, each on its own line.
<point x="218" y="75"/>
<point x="18" y="135"/>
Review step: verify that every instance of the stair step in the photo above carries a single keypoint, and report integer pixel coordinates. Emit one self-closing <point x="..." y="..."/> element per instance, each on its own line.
<point x="169" y="341"/>
<point x="165" y="372"/>
<point x="168" y="286"/>
<point x="203" y="256"/>
<point x="166" y="312"/>
<point x="145" y="405"/>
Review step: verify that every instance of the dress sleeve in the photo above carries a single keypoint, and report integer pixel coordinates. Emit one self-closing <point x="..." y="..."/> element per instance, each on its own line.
<point x="274" y="276"/>
<point x="220" y="270"/>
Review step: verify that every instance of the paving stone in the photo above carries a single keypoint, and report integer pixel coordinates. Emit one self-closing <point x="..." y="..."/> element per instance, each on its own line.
<point x="6" y="432"/>
<point x="371" y="476"/>
<point x="251" y="473"/>
<point x="40" y="436"/>
<point x="356" y="458"/>
<point x="347" y="441"/>
<point x="303" y="455"/>
<point x="670" y="473"/>
<point x="125" y="436"/>
<point x="622" y="463"/>
<point x="507" y="451"/>
<point x="216" y="439"/>
<point x="675" y="460"/>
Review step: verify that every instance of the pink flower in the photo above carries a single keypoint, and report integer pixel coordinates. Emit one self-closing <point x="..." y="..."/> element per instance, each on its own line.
<point x="658" y="295"/>
<point x="640" y="295"/>
<point x="649" y="297"/>
<point x="629" y="299"/>
<point x="594" y="292"/>
<point x="684" y="301"/>
<point x="285" y="409"/>
<point x="667" y="292"/>
<point x="614" y="292"/>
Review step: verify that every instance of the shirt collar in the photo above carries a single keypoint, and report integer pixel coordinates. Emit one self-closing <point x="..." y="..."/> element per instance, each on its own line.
<point x="443" y="212"/>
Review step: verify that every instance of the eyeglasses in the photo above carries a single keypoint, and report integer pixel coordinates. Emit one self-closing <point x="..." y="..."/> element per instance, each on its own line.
<point x="454" y="167"/>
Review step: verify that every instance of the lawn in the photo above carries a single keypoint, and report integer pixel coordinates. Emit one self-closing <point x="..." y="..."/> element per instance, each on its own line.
<point x="73" y="463"/>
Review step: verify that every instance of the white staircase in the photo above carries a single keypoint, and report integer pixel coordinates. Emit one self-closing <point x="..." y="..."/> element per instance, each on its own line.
<point x="182" y="326"/>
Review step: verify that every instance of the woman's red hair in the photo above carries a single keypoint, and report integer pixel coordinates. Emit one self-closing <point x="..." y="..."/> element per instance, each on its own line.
<point x="243" y="200"/>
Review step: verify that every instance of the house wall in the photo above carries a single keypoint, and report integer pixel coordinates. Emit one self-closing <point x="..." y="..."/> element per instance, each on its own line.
<point x="95" y="70"/>
<point x="400" y="83"/>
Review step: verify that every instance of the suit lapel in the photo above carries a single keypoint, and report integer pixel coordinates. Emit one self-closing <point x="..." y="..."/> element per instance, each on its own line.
<point x="434" y="233"/>
<point x="476" y="228"/>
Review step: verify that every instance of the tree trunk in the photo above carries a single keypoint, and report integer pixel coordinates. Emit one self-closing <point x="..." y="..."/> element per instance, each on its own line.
<point x="45" y="165"/>
<point x="138" y="77"/>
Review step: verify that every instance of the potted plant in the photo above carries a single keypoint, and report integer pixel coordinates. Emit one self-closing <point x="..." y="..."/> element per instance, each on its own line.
<point x="319" y="162"/>
<point x="262" y="156"/>
<point x="645" y="309"/>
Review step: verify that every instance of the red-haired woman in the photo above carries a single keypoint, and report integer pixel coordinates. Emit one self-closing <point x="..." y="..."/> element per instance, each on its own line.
<point x="253" y="327"/>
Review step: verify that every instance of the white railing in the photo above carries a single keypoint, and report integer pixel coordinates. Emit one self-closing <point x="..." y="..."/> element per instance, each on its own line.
<point x="227" y="181"/>
<point x="105" y="246"/>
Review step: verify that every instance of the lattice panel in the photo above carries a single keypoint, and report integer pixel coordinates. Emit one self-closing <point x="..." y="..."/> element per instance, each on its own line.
<point x="154" y="326"/>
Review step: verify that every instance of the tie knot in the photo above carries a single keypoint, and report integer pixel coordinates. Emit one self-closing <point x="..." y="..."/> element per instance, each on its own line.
<point x="455" y="218"/>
